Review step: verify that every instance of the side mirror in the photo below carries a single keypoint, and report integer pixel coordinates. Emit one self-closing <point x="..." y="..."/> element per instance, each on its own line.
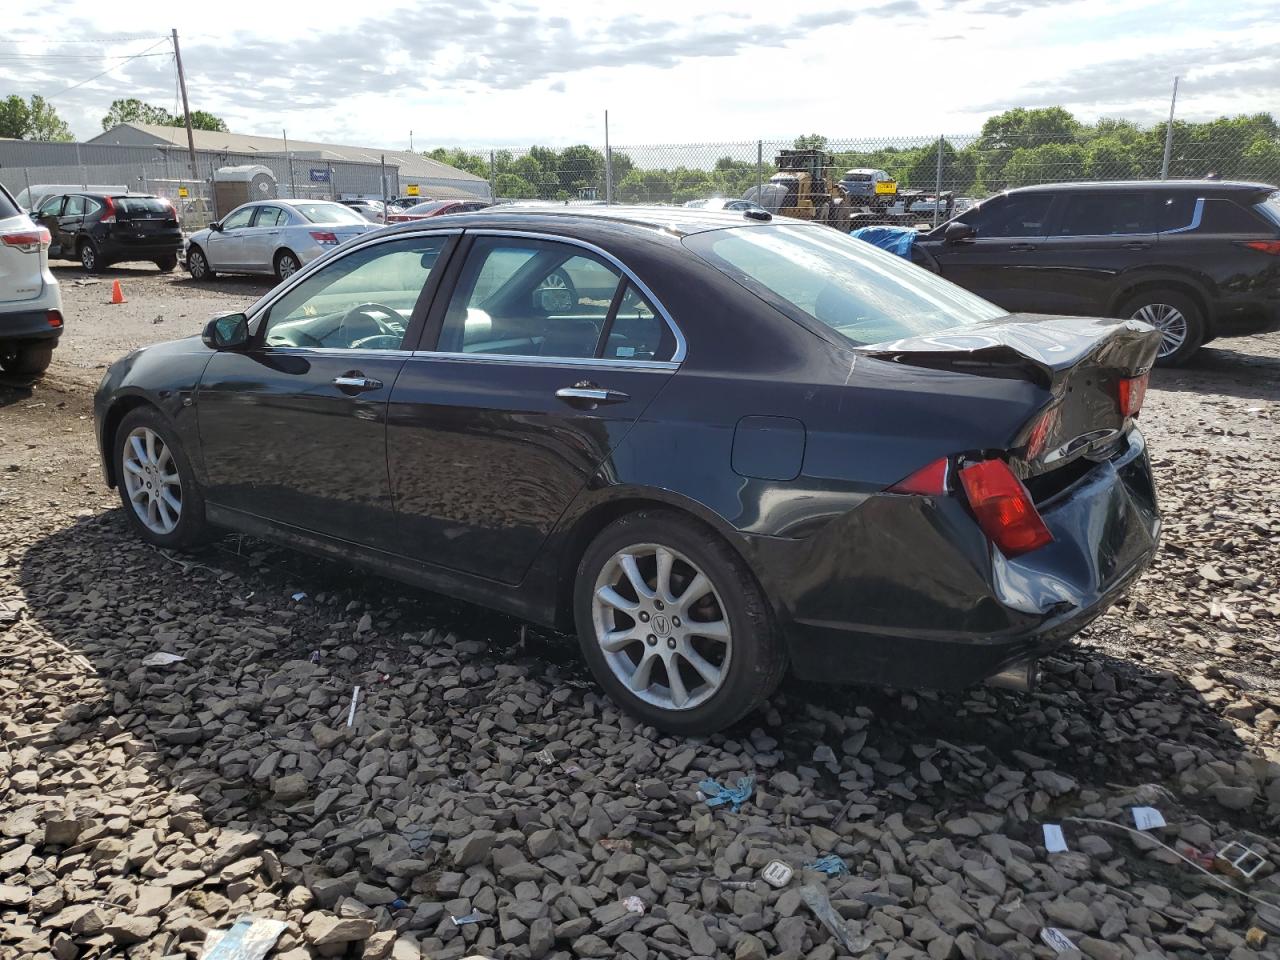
<point x="216" y="226"/>
<point x="230" y="332"/>
<point x="958" y="232"/>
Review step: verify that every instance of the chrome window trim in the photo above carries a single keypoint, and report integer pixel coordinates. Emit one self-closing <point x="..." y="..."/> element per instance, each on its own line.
<point x="677" y="356"/>
<point x="600" y="363"/>
<point x="256" y="312"/>
<point x="341" y="352"/>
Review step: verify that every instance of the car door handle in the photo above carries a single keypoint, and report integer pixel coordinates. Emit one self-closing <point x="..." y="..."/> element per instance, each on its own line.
<point x="356" y="381"/>
<point x="1021" y="247"/>
<point x="1137" y="245"/>
<point x="590" y="393"/>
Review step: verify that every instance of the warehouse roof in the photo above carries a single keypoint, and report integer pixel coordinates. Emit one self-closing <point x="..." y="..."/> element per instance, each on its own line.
<point x="411" y="164"/>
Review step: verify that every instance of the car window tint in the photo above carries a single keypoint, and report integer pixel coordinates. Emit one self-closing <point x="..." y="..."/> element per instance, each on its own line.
<point x="51" y="207"/>
<point x="1017" y="215"/>
<point x="239" y="218"/>
<point x="362" y="301"/>
<point x="74" y="207"/>
<point x="529" y="298"/>
<point x="814" y="273"/>
<point x="328" y="213"/>
<point x="270" y="217"/>
<point x="1103" y="214"/>
<point x="143" y="208"/>
<point x="1226" y="216"/>
<point x="1174" y="211"/>
<point x="637" y="333"/>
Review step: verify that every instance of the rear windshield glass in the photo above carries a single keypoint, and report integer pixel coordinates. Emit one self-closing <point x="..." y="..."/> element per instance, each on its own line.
<point x="328" y="213"/>
<point x="1270" y="208"/>
<point x="431" y="206"/>
<point x="860" y="177"/>
<point x="8" y="206"/>
<point x="864" y="294"/>
<point x="144" y="207"/>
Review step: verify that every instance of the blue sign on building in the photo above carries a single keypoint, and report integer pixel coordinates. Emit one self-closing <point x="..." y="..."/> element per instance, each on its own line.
<point x="319" y="174"/>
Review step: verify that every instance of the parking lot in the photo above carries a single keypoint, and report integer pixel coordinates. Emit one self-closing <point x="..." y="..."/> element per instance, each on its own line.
<point x="481" y="776"/>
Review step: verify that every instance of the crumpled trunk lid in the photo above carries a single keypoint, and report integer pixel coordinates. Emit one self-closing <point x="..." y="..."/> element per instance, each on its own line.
<point x="1078" y="361"/>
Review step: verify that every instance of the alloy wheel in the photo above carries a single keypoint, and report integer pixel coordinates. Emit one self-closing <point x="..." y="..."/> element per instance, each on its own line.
<point x="288" y="267"/>
<point x="1171" y="323"/>
<point x="661" y="626"/>
<point x="197" y="265"/>
<point x="151" y="480"/>
<point x="88" y="258"/>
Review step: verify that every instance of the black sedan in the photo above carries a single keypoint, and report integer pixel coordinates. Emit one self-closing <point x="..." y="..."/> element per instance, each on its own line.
<point x="714" y="444"/>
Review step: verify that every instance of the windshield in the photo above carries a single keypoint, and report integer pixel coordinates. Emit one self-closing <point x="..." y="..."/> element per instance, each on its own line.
<point x="328" y="213"/>
<point x="1270" y="208"/>
<point x="864" y="294"/>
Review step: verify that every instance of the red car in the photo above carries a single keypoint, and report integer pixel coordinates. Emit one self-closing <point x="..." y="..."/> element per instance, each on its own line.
<point x="436" y="208"/>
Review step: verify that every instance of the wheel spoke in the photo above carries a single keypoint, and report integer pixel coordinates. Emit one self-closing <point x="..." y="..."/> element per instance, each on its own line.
<point x="698" y="588"/>
<point x="165" y="458"/>
<point x="167" y="498"/>
<point x="151" y="446"/>
<point x="616" y="640"/>
<point x="706" y="669"/>
<point x="640" y="679"/>
<point x="139" y="451"/>
<point x="137" y="493"/>
<point x="711" y="629"/>
<point x="613" y="598"/>
<point x="665" y="562"/>
<point x="133" y="466"/>
<point x="632" y="571"/>
<point x="679" y="694"/>
<point x="153" y="512"/>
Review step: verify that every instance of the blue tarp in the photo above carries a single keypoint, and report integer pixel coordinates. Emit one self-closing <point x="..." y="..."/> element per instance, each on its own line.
<point x="897" y="240"/>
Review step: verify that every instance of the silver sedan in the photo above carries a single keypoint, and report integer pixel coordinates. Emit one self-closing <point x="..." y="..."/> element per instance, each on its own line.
<point x="272" y="236"/>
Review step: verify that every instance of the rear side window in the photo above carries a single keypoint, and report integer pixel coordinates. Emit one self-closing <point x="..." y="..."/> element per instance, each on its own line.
<point x="271" y="217"/>
<point x="814" y="273"/>
<point x="74" y="207"/>
<point x="142" y="208"/>
<point x="1173" y="212"/>
<point x="1016" y="215"/>
<point x="1226" y="216"/>
<point x="1103" y="214"/>
<point x="8" y="206"/>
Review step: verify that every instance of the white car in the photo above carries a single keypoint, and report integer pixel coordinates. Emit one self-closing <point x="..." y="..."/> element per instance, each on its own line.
<point x="30" y="301"/>
<point x="272" y="236"/>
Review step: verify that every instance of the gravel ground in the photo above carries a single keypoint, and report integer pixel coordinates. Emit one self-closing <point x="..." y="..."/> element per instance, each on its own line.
<point x="483" y="776"/>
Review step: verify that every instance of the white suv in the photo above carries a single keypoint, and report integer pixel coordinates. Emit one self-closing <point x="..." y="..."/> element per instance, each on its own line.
<point x="30" y="302"/>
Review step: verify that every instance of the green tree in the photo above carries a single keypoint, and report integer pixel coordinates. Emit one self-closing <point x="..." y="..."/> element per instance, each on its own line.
<point x="581" y="168"/>
<point x="959" y="168"/>
<point x="810" y="141"/>
<point x="473" y="163"/>
<point x="1046" y="163"/>
<point x="34" y="119"/>
<point x="1020" y="129"/>
<point x="133" y="110"/>
<point x="203" y="120"/>
<point x="512" y="186"/>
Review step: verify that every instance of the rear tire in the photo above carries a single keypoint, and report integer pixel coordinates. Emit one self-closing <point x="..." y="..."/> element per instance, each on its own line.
<point x="198" y="265"/>
<point x="167" y="264"/>
<point x="287" y="264"/>
<point x="709" y="623"/>
<point x="158" y="488"/>
<point x="1176" y="316"/>
<point x="28" y="359"/>
<point x="89" y="258"/>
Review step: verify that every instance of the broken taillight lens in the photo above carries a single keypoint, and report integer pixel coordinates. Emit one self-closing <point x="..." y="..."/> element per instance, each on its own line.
<point x="1131" y="392"/>
<point x="1003" y="507"/>
<point x="928" y="481"/>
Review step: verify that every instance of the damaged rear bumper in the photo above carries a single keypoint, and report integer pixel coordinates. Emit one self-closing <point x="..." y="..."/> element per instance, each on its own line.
<point x="907" y="591"/>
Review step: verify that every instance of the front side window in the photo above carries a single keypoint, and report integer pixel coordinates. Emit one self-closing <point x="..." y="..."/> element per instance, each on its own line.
<point x="362" y="301"/>
<point x="51" y="207"/>
<point x="813" y="273"/>
<point x="239" y="218"/>
<point x="529" y="298"/>
<point x="1014" y="215"/>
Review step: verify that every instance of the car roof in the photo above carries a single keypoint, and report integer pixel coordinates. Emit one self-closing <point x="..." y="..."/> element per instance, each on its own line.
<point x="669" y="221"/>
<point x="1200" y="185"/>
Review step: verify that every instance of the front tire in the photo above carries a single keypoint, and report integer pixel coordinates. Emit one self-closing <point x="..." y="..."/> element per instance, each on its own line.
<point x="157" y="486"/>
<point x="673" y="624"/>
<point x="28" y="359"/>
<point x="198" y="265"/>
<point x="287" y="265"/>
<point x="1176" y="316"/>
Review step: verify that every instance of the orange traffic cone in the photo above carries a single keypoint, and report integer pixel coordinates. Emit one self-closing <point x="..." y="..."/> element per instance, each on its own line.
<point x="117" y="295"/>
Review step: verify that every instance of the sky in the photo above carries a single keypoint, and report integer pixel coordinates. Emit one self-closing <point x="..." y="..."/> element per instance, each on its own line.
<point x="490" y="74"/>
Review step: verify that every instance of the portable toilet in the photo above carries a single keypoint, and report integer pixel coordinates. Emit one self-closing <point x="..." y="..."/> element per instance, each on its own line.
<point x="233" y="186"/>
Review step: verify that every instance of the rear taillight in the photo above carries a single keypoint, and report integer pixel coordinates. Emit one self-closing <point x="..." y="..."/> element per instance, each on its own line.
<point x="1266" y="246"/>
<point x="1038" y="438"/>
<point x="108" y="211"/>
<point x="929" y="481"/>
<point x="173" y="211"/>
<point x="53" y="318"/>
<point x="26" y="241"/>
<point x="1003" y="507"/>
<point x="1131" y="391"/>
<point x="324" y="238"/>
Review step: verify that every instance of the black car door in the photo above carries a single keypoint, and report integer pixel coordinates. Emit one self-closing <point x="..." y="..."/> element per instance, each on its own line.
<point x="1003" y="261"/>
<point x="48" y="215"/>
<point x="1095" y="237"/>
<point x="547" y="354"/>
<point x="293" y="428"/>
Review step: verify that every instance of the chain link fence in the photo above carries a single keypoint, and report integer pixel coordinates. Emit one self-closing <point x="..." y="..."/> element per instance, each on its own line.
<point x="966" y="167"/>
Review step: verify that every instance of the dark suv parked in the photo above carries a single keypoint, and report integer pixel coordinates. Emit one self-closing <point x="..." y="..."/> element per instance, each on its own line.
<point x="100" y="229"/>
<point x="1196" y="259"/>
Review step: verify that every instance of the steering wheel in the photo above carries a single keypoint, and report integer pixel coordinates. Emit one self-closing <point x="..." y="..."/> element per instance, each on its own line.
<point x="351" y="330"/>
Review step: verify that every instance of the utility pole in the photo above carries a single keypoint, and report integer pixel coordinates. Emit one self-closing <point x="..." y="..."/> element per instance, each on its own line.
<point x="937" y="193"/>
<point x="293" y="187"/>
<point x="186" y="107"/>
<point x="1168" y="134"/>
<point x="608" y="163"/>
<point x="411" y="141"/>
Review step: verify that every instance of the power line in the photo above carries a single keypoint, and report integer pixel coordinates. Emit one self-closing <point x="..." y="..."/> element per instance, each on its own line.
<point x="99" y="40"/>
<point x="106" y="71"/>
<point x="55" y="56"/>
